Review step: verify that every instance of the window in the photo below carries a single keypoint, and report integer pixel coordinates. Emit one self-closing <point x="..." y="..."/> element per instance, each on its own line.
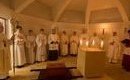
<point x="3" y="21"/>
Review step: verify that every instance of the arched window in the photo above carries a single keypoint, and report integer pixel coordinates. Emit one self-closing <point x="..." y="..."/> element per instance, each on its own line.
<point x="3" y="21"/>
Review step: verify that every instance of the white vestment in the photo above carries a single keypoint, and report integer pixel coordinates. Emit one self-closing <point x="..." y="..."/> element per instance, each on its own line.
<point x="30" y="44"/>
<point x="74" y="41"/>
<point x="53" y="41"/>
<point x="41" y="41"/>
<point x="20" y="57"/>
<point x="5" y="65"/>
<point x="95" y="42"/>
<point x="114" y="49"/>
<point x="64" y="45"/>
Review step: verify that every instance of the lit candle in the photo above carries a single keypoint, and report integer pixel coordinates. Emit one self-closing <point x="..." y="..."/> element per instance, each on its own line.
<point x="87" y="43"/>
<point x="102" y="43"/>
<point x="81" y="42"/>
<point x="93" y="43"/>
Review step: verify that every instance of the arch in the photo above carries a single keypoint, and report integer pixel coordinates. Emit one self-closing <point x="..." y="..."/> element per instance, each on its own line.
<point x="121" y="10"/>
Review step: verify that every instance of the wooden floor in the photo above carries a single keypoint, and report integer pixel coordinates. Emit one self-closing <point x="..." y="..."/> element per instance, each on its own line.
<point x="113" y="71"/>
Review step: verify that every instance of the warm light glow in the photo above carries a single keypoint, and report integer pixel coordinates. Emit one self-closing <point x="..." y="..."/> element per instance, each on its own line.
<point x="81" y="42"/>
<point x="105" y="28"/>
<point x="102" y="43"/>
<point x="87" y="42"/>
<point x="104" y="25"/>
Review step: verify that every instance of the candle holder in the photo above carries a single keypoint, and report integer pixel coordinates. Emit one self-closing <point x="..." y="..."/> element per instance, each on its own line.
<point x="103" y="31"/>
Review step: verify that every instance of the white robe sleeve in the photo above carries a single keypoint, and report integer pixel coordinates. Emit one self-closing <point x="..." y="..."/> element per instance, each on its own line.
<point x="38" y="41"/>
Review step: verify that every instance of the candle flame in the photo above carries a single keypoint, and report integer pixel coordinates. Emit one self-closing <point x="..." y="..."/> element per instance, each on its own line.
<point x="87" y="43"/>
<point x="102" y="44"/>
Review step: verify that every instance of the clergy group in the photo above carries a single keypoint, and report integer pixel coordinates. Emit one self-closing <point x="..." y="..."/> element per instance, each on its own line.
<point x="41" y="47"/>
<point x="32" y="48"/>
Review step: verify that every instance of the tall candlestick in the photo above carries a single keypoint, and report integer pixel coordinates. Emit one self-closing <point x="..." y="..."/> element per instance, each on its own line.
<point x="103" y="31"/>
<point x="102" y="43"/>
<point x="93" y="43"/>
<point x="87" y="43"/>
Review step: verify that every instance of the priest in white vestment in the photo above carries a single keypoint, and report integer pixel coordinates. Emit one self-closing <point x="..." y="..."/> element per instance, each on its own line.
<point x="84" y="39"/>
<point x="95" y="41"/>
<point x="19" y="39"/>
<point x="64" y="44"/>
<point x="41" y="41"/>
<point x="30" y="44"/>
<point x="53" y="44"/>
<point x="5" y="64"/>
<point x="114" y="49"/>
<point x="74" y="42"/>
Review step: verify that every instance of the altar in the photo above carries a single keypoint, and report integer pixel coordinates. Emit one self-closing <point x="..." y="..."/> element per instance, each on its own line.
<point x="91" y="62"/>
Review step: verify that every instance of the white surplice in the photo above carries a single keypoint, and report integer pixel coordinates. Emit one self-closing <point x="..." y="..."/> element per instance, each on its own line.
<point x="114" y="49"/>
<point x="64" y="45"/>
<point x="41" y="41"/>
<point x="30" y="44"/>
<point x="55" y="39"/>
<point x="74" y="41"/>
<point x="20" y="57"/>
<point x="5" y="64"/>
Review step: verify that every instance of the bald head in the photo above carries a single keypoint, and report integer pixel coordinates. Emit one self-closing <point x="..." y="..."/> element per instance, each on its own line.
<point x="114" y="33"/>
<point x="30" y="32"/>
<point x="64" y="32"/>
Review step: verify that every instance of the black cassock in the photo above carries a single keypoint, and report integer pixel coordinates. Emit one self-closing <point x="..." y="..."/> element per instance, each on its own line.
<point x="126" y="62"/>
<point x="53" y="53"/>
<point x="126" y="55"/>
